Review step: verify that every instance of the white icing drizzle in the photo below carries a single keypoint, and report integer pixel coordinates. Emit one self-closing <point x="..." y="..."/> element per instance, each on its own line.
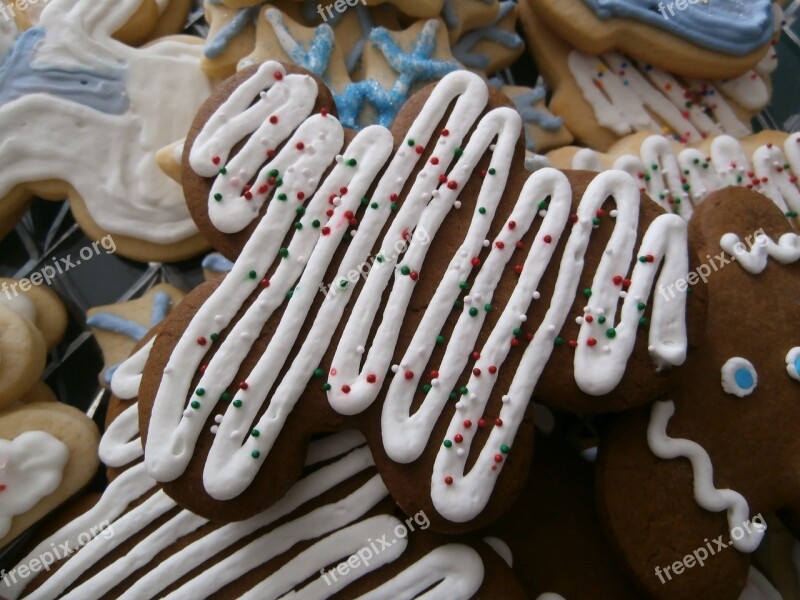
<point x="459" y="578"/>
<point x="501" y="548"/>
<point x="758" y="587"/>
<point x="754" y="260"/>
<point x="121" y="444"/>
<point x="128" y="376"/>
<point x="679" y="182"/>
<point x="627" y="98"/>
<point x="235" y="457"/>
<point x="230" y="467"/>
<point x="707" y="496"/>
<point x="31" y="468"/>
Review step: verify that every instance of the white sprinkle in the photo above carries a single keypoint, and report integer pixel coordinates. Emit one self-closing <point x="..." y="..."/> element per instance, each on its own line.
<point x="434" y="382"/>
<point x="579" y="320"/>
<point x="264" y="141"/>
<point x="613" y="214"/>
<point x="218" y="418"/>
<point x="506" y="399"/>
<point x="290" y="170"/>
<point x="586" y="309"/>
<point x="214" y="430"/>
<point x="459" y="405"/>
<point x="305" y="172"/>
<point x="536" y="295"/>
<point x="467" y="300"/>
<point x="609" y="252"/>
<point x="543" y="213"/>
<point x="486" y="243"/>
<point x="422" y="175"/>
<point x="606" y="348"/>
<point x="435" y="194"/>
<point x="337" y="201"/>
<point x="463" y="253"/>
<point x="473" y="396"/>
<point x="400" y="180"/>
<point x="476" y="296"/>
<point x="395" y="368"/>
<point x="492" y="147"/>
<point x="312" y="182"/>
<point x="460" y="451"/>
<point x="168" y="371"/>
<point x="187" y="413"/>
<point x="523" y="318"/>
<point x="234" y="182"/>
<point x="301" y="259"/>
<point x="551" y="328"/>
<point x="623" y="294"/>
<point x="360" y="349"/>
<point x="457" y="204"/>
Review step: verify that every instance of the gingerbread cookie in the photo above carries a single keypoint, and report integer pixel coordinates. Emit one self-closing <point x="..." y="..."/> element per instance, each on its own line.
<point x="119" y="327"/>
<point x="683" y="485"/>
<point x="48" y="452"/>
<point x="440" y="344"/>
<point x="679" y="178"/>
<point x="338" y="511"/>
<point x="86" y="87"/>
<point x="23" y="352"/>
<point x="696" y="39"/>
<point x="604" y="98"/>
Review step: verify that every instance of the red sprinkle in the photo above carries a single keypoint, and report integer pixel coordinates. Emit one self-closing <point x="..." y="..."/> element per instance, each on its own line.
<point x="324" y="112"/>
<point x="445" y="132"/>
<point x="476" y="356"/>
<point x="452" y="185"/>
<point x="342" y="191"/>
<point x="244" y="385"/>
<point x="419" y="149"/>
<point x="492" y="369"/>
<point x="481" y="422"/>
<point x="448" y="480"/>
<point x="498" y="458"/>
<point x="617" y="280"/>
<point x="591" y="342"/>
<point x="300" y="146"/>
<point x="409" y="374"/>
<point x="301" y="195"/>
<point x="518" y="270"/>
<point x="512" y="224"/>
<point x="547" y="239"/>
<point x="203" y="368"/>
<point x="500" y="245"/>
<point x="467" y="424"/>
<point x="273" y="119"/>
<point x="201" y="341"/>
<point x="476" y="262"/>
<point x="371" y="378"/>
<point x="442" y="178"/>
<point x="476" y="371"/>
<point x="265" y="283"/>
<point x="434" y="160"/>
<point x="414" y="275"/>
<point x="278" y="75"/>
<point x="434" y="374"/>
<point x="345" y="389"/>
<point x="498" y="421"/>
<point x="326" y="230"/>
<point x="458" y="438"/>
<point x="216" y="160"/>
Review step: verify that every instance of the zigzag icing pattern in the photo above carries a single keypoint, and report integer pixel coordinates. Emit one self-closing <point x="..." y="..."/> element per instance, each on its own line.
<point x="707" y="496"/>
<point x="236" y="456"/>
<point x="754" y="260"/>
<point x="680" y="182"/>
<point x="453" y="570"/>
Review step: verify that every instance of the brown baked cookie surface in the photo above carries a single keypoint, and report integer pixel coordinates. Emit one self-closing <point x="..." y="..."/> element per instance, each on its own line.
<point x="731" y="412"/>
<point x="436" y="354"/>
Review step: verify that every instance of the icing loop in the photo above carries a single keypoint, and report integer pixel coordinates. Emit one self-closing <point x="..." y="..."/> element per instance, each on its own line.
<point x="754" y="260"/>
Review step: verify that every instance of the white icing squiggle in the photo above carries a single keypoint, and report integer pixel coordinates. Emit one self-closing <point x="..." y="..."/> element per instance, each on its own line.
<point x="755" y="260"/>
<point x="707" y="496"/>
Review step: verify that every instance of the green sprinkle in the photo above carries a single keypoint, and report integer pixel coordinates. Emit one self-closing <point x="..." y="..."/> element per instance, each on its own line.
<point x="405" y="270"/>
<point x="601" y="319"/>
<point x="654" y="166"/>
<point x="410" y="142"/>
<point x="255" y="454"/>
<point x="273" y="173"/>
<point x="487" y="307"/>
<point x="300" y="210"/>
<point x="223" y="171"/>
<point x="298" y="225"/>
<point x="343" y="283"/>
<point x="516" y="331"/>
<point x="284" y="252"/>
<point x="558" y="341"/>
<point x="214" y="337"/>
<point x="218" y="197"/>
<point x="427" y="388"/>
<point x="393" y="207"/>
<point x="473" y="312"/>
<point x="374" y="205"/>
<point x="482" y="210"/>
<point x="282" y="196"/>
<point x="315" y="223"/>
<point x="641" y="306"/>
<point x="587" y="292"/>
<point x="237" y="404"/>
<point x="326" y="387"/>
<point x="364" y="201"/>
<point x="492" y="171"/>
<point x="255" y="433"/>
<point x="252" y="274"/>
<point x="448" y="444"/>
<point x="642" y="259"/>
<point x="440" y="339"/>
<point x="643" y="321"/>
<point x="458" y="152"/>
<point x="463" y="285"/>
<point x="791" y="213"/>
<point x="505" y="449"/>
<point x="278" y="182"/>
<point x="379" y="258"/>
<point x="705" y="165"/>
<point x="318" y="372"/>
<point x="464" y="391"/>
<point x="289" y="294"/>
<point x="352" y="162"/>
<point x="225" y="397"/>
<point x="200" y="392"/>
<point x="596" y="221"/>
<point x="611" y="333"/>
<point x="453" y="395"/>
<point x="458" y="304"/>
<point x="195" y="405"/>
<point x="543" y="204"/>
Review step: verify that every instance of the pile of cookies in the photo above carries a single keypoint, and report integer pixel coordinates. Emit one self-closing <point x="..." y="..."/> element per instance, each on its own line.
<point x="426" y="361"/>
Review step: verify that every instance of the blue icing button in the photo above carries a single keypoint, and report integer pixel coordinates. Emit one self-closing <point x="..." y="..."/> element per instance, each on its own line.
<point x="744" y="378"/>
<point x="18" y="78"/>
<point x="222" y="39"/>
<point x="217" y="263"/>
<point x="731" y="26"/>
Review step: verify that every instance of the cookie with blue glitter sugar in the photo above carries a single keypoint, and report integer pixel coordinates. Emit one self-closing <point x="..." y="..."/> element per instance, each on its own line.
<point x="84" y="87"/>
<point x="118" y="328"/>
<point x="692" y="38"/>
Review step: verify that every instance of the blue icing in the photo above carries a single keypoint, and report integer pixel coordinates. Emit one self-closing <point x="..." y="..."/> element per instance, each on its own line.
<point x="162" y="302"/>
<point x="220" y="42"/>
<point x="744" y="378"/>
<point x="463" y="50"/>
<point x="217" y="263"/>
<point x="449" y="14"/>
<point x="18" y="78"/>
<point x="797" y="365"/>
<point x="525" y="105"/>
<point x="731" y="26"/>
<point x="311" y="14"/>
<point x="413" y="67"/>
